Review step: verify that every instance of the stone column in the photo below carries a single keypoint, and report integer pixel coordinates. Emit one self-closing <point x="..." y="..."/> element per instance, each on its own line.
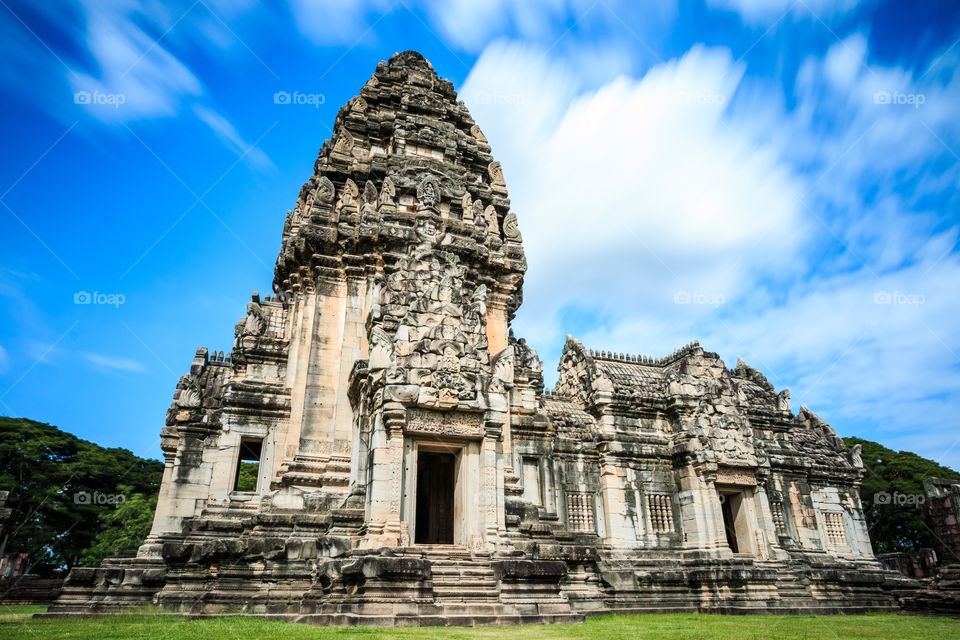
<point x="385" y="527"/>
<point x="491" y="483"/>
<point x="301" y="330"/>
<point x="619" y="530"/>
<point x="768" y="539"/>
<point x="700" y="512"/>
<point x="352" y="348"/>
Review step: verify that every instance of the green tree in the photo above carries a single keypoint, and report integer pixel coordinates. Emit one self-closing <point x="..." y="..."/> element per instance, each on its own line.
<point x="247" y="475"/>
<point x="61" y="489"/>
<point x="896" y="524"/>
<point x="123" y="528"/>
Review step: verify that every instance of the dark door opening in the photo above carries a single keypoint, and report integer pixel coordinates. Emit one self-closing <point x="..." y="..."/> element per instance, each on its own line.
<point x="729" y="520"/>
<point x="435" y="484"/>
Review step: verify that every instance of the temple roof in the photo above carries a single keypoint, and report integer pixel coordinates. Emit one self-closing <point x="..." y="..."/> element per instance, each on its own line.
<point x="404" y="148"/>
<point x="406" y="119"/>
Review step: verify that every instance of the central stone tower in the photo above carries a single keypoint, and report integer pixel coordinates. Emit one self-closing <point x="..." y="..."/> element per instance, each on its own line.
<point x="401" y="266"/>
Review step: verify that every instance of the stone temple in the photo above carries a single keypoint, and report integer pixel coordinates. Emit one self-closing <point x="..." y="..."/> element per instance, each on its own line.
<point x="410" y="467"/>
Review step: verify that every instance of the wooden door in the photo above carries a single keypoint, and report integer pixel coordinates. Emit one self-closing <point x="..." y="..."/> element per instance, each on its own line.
<point x="435" y="490"/>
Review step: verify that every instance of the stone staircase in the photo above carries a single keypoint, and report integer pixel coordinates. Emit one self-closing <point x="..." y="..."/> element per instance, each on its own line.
<point x="467" y="591"/>
<point x="460" y="579"/>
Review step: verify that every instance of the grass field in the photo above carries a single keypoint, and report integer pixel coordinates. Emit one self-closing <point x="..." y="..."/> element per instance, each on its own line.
<point x="15" y="623"/>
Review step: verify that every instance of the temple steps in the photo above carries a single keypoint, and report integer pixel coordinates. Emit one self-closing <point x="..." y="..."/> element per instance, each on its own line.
<point x="458" y="578"/>
<point x="463" y="580"/>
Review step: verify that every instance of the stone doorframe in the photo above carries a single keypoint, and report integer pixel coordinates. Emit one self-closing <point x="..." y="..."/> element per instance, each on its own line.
<point x="753" y="521"/>
<point x="467" y="491"/>
<point x="743" y="511"/>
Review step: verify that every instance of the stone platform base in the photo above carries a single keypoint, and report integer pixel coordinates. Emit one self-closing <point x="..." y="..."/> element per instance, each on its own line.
<point x="450" y="586"/>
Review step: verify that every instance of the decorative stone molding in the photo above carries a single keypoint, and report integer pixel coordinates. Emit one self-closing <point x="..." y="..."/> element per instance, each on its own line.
<point x="444" y="424"/>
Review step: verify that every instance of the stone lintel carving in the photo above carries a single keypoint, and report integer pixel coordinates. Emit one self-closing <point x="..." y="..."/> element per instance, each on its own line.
<point x="736" y="476"/>
<point x="442" y="423"/>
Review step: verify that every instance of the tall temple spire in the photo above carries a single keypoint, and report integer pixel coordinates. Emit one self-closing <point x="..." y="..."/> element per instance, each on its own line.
<point x="404" y="136"/>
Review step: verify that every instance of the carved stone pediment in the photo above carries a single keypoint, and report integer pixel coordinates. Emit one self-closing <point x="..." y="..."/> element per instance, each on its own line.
<point x="440" y="423"/>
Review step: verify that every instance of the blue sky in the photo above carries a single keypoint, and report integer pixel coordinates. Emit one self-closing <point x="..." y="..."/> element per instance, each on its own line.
<point x="777" y="179"/>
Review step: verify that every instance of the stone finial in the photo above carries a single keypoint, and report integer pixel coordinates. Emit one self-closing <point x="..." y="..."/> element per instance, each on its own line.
<point x="388" y="193"/>
<point x="495" y="171"/>
<point x="369" y="193"/>
<point x="856" y="456"/>
<point x="511" y="228"/>
<point x="478" y="134"/>
<point x="344" y="143"/>
<point x="325" y="192"/>
<point x="348" y="196"/>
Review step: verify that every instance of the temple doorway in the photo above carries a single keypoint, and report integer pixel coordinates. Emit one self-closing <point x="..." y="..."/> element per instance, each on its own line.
<point x="730" y="505"/>
<point x="436" y="479"/>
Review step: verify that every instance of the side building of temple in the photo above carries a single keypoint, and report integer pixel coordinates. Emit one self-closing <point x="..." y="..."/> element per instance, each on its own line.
<point x="379" y="448"/>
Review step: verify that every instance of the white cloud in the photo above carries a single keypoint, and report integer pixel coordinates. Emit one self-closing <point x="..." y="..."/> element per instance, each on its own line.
<point x="4" y="361"/>
<point x="343" y="22"/>
<point x="137" y="76"/>
<point x="471" y="25"/>
<point x="132" y="66"/>
<point x="634" y="192"/>
<point x="232" y="138"/>
<point x="111" y="363"/>
<point x="697" y="179"/>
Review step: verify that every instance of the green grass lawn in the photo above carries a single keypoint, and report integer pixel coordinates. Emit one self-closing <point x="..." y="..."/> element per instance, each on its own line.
<point x="15" y="622"/>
